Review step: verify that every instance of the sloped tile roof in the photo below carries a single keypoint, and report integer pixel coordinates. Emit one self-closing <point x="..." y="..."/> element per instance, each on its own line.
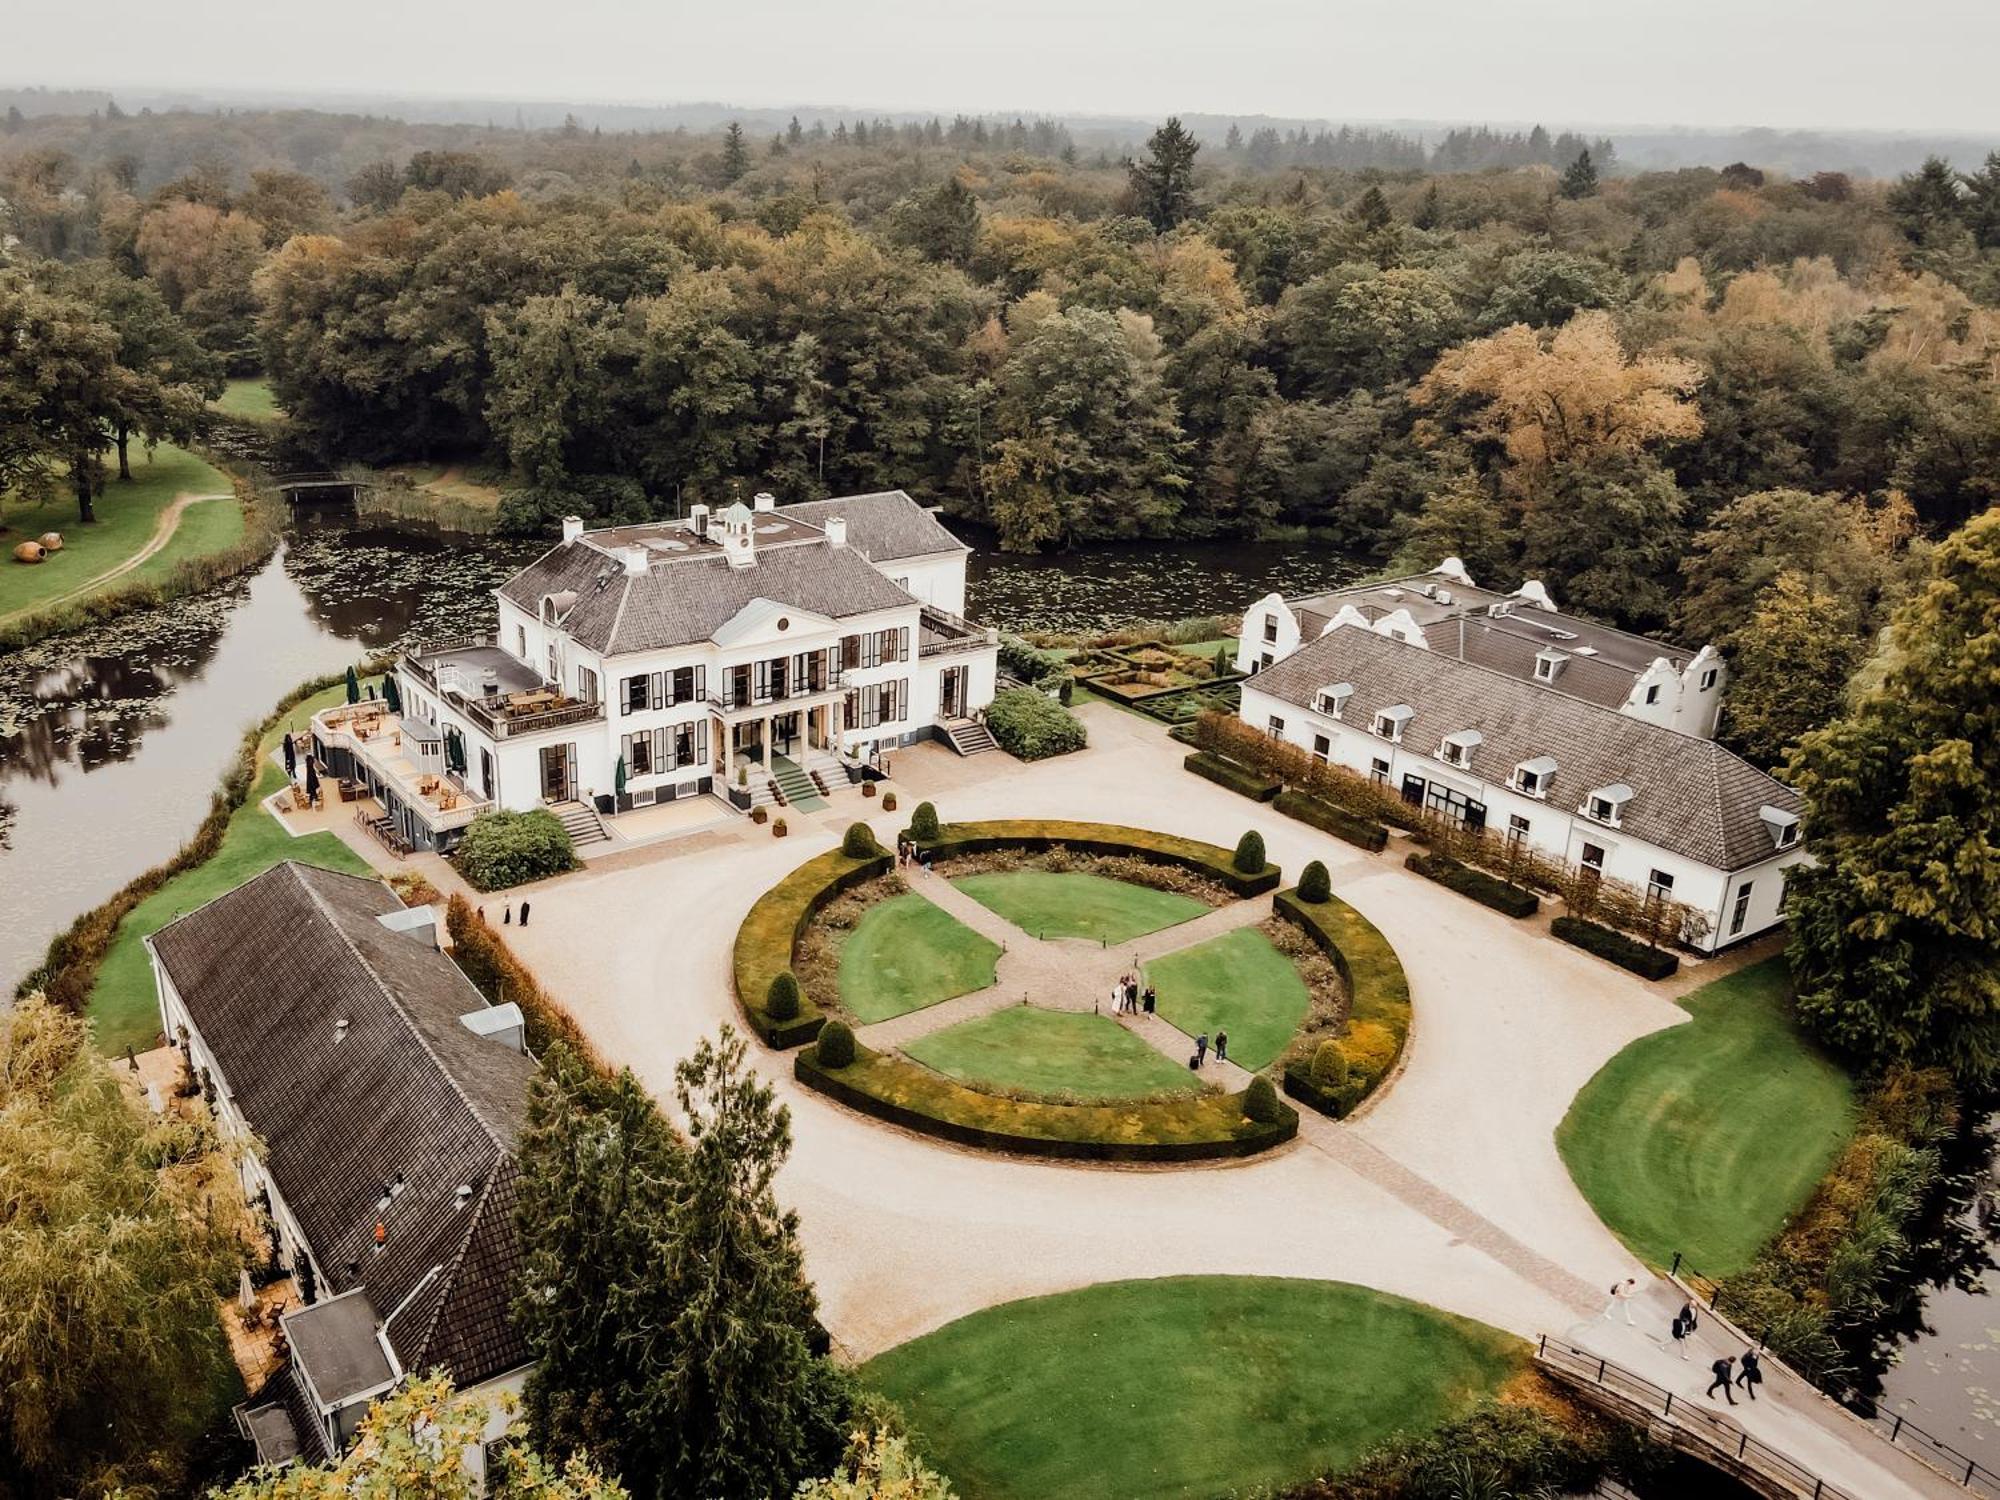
<point x="1691" y="796"/>
<point x="884" y="526"/>
<point x="266" y="971"/>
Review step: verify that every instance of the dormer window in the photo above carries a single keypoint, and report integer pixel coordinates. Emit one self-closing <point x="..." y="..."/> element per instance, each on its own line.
<point x="1390" y="721"/>
<point x="1607" y="804"/>
<point x="1708" y="679"/>
<point x="1532" y="777"/>
<point x="1784" y="825"/>
<point x="1456" y="749"/>
<point x="1549" y="664"/>
<point x="1332" y="700"/>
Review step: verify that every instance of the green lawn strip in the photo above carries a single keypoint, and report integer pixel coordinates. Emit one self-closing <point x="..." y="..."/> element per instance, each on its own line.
<point x="1047" y="903"/>
<point x="1050" y="1053"/>
<point x="1239" y="983"/>
<point x="123" y="1006"/>
<point x="905" y="954"/>
<point x="1185" y="1387"/>
<point x="250" y="399"/>
<point x="1706" y="1137"/>
<point x="126" y="516"/>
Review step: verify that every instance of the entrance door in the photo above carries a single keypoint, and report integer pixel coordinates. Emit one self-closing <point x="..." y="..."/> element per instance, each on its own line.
<point x="951" y="693"/>
<point x="559" y="773"/>
<point x="784" y="732"/>
<point x="1413" y="790"/>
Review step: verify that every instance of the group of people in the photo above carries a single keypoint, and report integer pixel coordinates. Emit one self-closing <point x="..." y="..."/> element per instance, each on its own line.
<point x="1729" y="1378"/>
<point x="907" y="854"/>
<point x="1126" y="999"/>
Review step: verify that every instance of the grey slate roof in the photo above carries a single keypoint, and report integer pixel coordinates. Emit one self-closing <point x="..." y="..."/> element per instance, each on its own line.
<point x="266" y="971"/>
<point x="1691" y="796"/>
<point x="885" y="526"/>
<point x="686" y="599"/>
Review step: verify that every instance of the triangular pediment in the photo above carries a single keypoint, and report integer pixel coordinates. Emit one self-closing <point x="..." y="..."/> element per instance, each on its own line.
<point x="763" y="621"/>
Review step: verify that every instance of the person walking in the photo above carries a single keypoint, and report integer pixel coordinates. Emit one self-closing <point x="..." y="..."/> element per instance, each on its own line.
<point x="1201" y="1049"/>
<point x="1221" y="1046"/>
<point x="1722" y="1378"/>
<point x="524" y="914"/>
<point x="1683" y="1328"/>
<point x="1621" y="1296"/>
<point x="507" y="915"/>
<point x="1151" y="999"/>
<point x="1752" y="1374"/>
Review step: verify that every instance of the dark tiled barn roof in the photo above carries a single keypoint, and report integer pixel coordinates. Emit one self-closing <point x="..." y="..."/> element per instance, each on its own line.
<point x="884" y="527"/>
<point x="1691" y="796"/>
<point x="267" y="971"/>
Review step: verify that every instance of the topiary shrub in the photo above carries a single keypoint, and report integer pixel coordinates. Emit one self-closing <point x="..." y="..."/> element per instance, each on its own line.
<point x="502" y="849"/>
<point x="1066" y="692"/>
<point x="1260" y="1101"/>
<point x="1250" y="852"/>
<point x="760" y="814"/>
<point x="1225" y="660"/>
<point x="836" y="1045"/>
<point x="888" y="802"/>
<point x="781" y="1002"/>
<point x="1315" y="885"/>
<point x="1329" y="1064"/>
<point x="859" y="842"/>
<point x="1031" y="726"/>
<point x="778" y="828"/>
<point x="867" y="788"/>
<point x="924" y="822"/>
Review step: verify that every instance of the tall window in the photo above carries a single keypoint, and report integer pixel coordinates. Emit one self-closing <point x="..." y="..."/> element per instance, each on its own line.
<point x="586" y="684"/>
<point x="1270" y="630"/>
<point x="1742" y="912"/>
<point x="637" y="695"/>
<point x="1322" y="747"/>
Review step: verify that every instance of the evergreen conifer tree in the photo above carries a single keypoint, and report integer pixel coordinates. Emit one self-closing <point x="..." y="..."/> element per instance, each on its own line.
<point x="1163" y="183"/>
<point x="1579" y="179"/>
<point x="735" y="154"/>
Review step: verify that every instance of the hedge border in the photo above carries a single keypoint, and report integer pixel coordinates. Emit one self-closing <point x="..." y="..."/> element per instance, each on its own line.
<point x="1327" y="817"/>
<point x="1487" y="890"/>
<point x="484" y="958"/>
<point x="1244" y="1137"/>
<point x="1038" y="834"/>
<point x="784" y="912"/>
<point x="1378" y="991"/>
<point x="1616" y="948"/>
<point x="1227" y="773"/>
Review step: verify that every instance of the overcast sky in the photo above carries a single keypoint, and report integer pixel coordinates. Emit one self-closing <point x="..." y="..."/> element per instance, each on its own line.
<point x="1918" y="64"/>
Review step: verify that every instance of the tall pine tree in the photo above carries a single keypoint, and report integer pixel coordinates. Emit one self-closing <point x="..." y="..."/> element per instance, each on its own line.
<point x="1895" y="946"/>
<point x="735" y="154"/>
<point x="1579" y="179"/>
<point x="1163" y="183"/>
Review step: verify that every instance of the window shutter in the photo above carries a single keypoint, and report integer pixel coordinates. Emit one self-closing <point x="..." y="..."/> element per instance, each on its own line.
<point x="659" y="698"/>
<point x="660" y="760"/>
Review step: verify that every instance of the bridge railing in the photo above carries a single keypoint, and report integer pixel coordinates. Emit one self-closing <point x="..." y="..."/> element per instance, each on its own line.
<point x="1711" y="1430"/>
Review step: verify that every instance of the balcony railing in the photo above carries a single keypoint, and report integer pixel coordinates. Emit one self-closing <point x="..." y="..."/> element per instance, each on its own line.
<point x="442" y="801"/>
<point x="502" y="721"/>
<point x="944" y="632"/>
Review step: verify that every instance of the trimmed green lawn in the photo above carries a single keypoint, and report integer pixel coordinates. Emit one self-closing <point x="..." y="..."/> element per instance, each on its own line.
<point x="126" y="516"/>
<point x="1704" y="1138"/>
<point x="1050" y="1052"/>
<point x="123" y="1006"/>
<point x="1239" y="983"/>
<point x="1186" y="1387"/>
<point x="905" y="954"/>
<point x="1044" y="903"/>
<point x="249" y="399"/>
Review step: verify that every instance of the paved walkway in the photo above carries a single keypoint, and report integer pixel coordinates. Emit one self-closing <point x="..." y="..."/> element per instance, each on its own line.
<point x="1449" y="1190"/>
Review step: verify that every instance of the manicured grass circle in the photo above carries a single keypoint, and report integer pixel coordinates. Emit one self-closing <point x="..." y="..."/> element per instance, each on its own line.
<point x="1239" y="983"/>
<point x="1704" y="1138"/>
<point x="905" y="954"/>
<point x="1047" y="903"/>
<point x="1188" y="1387"/>
<point x="1050" y="1052"/>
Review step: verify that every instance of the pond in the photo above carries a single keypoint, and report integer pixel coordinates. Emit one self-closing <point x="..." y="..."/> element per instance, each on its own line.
<point x="111" y="739"/>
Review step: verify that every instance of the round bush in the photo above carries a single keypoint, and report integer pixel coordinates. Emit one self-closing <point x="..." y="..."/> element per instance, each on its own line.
<point x="867" y="788"/>
<point x="859" y="842"/>
<point x="1315" y="885"/>
<point x="924" y="822"/>
<point x="1031" y="726"/>
<point x="502" y="849"/>
<point x="836" y="1045"/>
<point x="1260" y="1101"/>
<point x="760" y="814"/>
<point x="1329" y="1064"/>
<point x="778" y="829"/>
<point x="782" y="1002"/>
<point x="888" y="802"/>
<point x="1250" y="852"/>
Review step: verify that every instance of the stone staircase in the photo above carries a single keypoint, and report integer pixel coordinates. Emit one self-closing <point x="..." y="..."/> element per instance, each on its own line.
<point x="793" y="781"/>
<point x="581" y="823"/>
<point x="969" y="737"/>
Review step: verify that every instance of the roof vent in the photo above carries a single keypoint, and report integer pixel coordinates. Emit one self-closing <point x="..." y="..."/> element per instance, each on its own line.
<point x="340" y="1030"/>
<point x="836" y="531"/>
<point x="764" y="500"/>
<point x="1443" y="596"/>
<point x="465" y="1195"/>
<point x="498" y="1023"/>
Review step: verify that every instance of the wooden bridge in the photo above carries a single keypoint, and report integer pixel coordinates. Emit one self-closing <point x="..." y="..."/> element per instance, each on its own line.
<point x="306" y="482"/>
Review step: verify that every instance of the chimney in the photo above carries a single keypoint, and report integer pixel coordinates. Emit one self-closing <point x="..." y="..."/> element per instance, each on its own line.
<point x="836" y="531"/>
<point x="764" y="500"/>
<point x="635" y="562"/>
<point x="698" y="520"/>
<point x="572" y="528"/>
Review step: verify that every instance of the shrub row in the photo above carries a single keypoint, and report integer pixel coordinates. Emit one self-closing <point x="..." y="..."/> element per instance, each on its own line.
<point x="498" y="975"/>
<point x="1487" y="890"/>
<point x="1031" y="664"/>
<point x="1030" y="725"/>
<point x="1237" y="778"/>
<point x="1378" y="1017"/>
<point x="1327" y="818"/>
<point x="1037" y="834"/>
<point x="68" y="970"/>
<point x="769" y="934"/>
<point x="1607" y="943"/>
<point x="1188" y="1127"/>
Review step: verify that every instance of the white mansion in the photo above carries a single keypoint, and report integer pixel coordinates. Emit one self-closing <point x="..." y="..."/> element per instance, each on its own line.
<point x="755" y="653"/>
<point x="1499" y="712"/>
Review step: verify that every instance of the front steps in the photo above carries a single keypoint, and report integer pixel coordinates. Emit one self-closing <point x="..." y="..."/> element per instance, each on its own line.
<point x="581" y="823"/>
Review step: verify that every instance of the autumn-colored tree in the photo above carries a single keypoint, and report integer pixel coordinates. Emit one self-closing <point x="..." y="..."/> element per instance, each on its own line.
<point x="203" y="260"/>
<point x="1570" y="397"/>
<point x="879" y="1467"/>
<point x="1832" y="544"/>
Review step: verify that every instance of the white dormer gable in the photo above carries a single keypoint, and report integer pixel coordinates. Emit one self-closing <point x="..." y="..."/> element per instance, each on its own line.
<point x="1536" y="593"/>
<point x="766" y="621"/>
<point x="1270" y="633"/>
<point x="1332" y="699"/>
<point x="1784" y="825"/>
<point x="1549" y="663"/>
<point x="1454" y="569"/>
<point x="1456" y="749"/>
<point x="1346" y="615"/>
<point x="1532" y="777"/>
<point x="1390" y="721"/>
<point x="1400" y="625"/>
<point x="1606" y="804"/>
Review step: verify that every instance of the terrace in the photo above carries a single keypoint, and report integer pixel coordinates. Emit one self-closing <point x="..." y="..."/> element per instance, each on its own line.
<point x="401" y="757"/>
<point x="944" y="632"/>
<point x="498" y="692"/>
